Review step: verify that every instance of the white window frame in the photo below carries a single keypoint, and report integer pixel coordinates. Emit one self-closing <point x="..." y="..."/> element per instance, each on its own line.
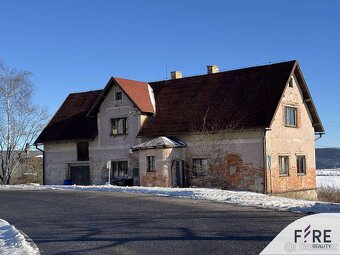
<point x="284" y="165"/>
<point x="290" y="117"/>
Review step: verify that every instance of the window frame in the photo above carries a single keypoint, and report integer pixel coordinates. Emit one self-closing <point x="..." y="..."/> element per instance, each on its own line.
<point x="117" y="166"/>
<point x="150" y="163"/>
<point x="283" y="173"/>
<point x="120" y="97"/>
<point x="203" y="167"/>
<point x="298" y="161"/>
<point x="83" y="153"/>
<point x="125" y="126"/>
<point x="287" y="118"/>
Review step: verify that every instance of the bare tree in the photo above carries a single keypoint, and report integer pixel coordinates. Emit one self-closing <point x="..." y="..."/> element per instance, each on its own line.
<point x="20" y="120"/>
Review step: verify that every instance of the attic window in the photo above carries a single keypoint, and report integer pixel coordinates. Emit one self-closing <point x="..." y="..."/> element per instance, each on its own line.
<point x="290" y="116"/>
<point x="290" y="83"/>
<point x="119" y="126"/>
<point x="119" y="95"/>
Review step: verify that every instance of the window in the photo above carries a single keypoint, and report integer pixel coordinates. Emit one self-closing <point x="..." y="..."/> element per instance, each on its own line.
<point x="83" y="151"/>
<point x="301" y="165"/>
<point x="290" y="83"/>
<point x="120" y="168"/>
<point x="150" y="163"/>
<point x="119" y="126"/>
<point x="290" y="116"/>
<point x="284" y="165"/>
<point x="199" y="167"/>
<point x="119" y="95"/>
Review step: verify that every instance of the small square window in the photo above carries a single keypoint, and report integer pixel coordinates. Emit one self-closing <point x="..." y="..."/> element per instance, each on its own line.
<point x="150" y="163"/>
<point x="290" y="116"/>
<point x="301" y="165"/>
<point x="120" y="168"/>
<point x="199" y="167"/>
<point x="284" y="165"/>
<point x="119" y="95"/>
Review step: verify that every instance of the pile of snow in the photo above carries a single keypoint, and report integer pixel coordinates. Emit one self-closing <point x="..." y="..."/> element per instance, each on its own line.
<point x="243" y="198"/>
<point x="328" y="172"/>
<point x="13" y="242"/>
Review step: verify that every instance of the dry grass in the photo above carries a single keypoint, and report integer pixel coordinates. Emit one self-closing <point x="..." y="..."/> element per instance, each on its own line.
<point x="329" y="194"/>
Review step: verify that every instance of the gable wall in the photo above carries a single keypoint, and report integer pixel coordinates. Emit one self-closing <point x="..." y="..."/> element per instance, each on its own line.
<point x="291" y="141"/>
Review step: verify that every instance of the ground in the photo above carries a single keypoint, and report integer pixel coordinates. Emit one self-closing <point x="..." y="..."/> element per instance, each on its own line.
<point x="78" y="222"/>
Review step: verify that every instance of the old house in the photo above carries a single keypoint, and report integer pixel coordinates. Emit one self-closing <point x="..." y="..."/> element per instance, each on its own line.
<point x="246" y="129"/>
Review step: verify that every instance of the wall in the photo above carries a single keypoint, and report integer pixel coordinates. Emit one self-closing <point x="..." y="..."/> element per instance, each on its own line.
<point x="236" y="157"/>
<point x="164" y="158"/>
<point x="103" y="148"/>
<point x="291" y="141"/>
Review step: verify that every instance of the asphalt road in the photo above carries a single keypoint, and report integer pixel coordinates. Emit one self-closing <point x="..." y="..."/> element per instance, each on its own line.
<point x="80" y="222"/>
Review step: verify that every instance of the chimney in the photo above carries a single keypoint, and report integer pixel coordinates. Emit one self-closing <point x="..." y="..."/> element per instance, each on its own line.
<point x="213" y="69"/>
<point x="176" y="75"/>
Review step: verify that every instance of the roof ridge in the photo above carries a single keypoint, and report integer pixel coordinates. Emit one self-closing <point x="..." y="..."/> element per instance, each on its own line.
<point x="230" y="70"/>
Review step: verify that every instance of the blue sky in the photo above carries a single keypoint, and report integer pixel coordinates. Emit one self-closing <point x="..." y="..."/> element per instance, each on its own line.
<point x="75" y="45"/>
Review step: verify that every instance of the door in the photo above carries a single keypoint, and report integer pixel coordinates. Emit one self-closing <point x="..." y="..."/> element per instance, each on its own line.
<point x="177" y="172"/>
<point x="136" y="180"/>
<point x="80" y="175"/>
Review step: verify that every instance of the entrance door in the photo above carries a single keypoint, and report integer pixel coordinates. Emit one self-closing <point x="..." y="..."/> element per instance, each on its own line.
<point x="177" y="172"/>
<point x="80" y="175"/>
<point x="136" y="180"/>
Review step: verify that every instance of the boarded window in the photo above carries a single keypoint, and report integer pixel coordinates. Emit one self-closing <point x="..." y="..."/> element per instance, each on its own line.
<point x="199" y="167"/>
<point x="150" y="163"/>
<point x="120" y="168"/>
<point x="83" y="151"/>
<point x="301" y="165"/>
<point x="284" y="165"/>
<point x="119" y="126"/>
<point x="290" y="116"/>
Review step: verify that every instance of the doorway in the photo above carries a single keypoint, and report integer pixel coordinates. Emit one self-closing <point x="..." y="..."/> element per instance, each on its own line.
<point x="177" y="173"/>
<point x="80" y="174"/>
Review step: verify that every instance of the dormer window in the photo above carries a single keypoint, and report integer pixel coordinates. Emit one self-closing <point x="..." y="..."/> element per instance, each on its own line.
<point x="118" y="95"/>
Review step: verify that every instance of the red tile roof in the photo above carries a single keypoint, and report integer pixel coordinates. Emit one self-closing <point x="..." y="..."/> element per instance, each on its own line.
<point x="138" y="93"/>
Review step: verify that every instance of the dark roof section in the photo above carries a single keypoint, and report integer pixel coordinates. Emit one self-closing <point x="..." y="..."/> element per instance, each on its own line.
<point x="244" y="98"/>
<point x="137" y="92"/>
<point x="70" y="121"/>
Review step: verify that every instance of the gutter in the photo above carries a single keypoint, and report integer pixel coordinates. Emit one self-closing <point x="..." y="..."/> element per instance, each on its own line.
<point x="36" y="146"/>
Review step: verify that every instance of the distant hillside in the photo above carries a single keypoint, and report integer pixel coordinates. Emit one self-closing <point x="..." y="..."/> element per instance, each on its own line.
<point x="327" y="158"/>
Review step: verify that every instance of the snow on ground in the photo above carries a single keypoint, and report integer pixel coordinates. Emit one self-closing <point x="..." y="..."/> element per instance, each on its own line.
<point x="330" y="172"/>
<point x="233" y="197"/>
<point x="12" y="242"/>
<point x="327" y="180"/>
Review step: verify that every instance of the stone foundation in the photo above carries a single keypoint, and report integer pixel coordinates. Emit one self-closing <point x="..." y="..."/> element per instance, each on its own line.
<point x="303" y="194"/>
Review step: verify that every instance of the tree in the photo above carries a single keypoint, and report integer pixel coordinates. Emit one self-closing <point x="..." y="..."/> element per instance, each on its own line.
<point x="20" y="119"/>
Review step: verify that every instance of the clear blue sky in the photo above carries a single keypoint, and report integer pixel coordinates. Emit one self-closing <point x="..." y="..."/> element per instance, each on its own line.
<point x="78" y="45"/>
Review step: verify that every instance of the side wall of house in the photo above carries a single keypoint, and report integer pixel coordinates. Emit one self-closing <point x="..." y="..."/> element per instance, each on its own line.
<point x="291" y="142"/>
<point x="105" y="147"/>
<point x="237" y="159"/>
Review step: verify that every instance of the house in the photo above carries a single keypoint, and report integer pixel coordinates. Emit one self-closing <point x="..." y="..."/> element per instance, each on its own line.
<point x="246" y="129"/>
<point x="28" y="167"/>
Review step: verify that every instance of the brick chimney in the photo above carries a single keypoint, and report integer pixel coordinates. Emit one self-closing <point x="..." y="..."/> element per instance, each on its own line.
<point x="213" y="69"/>
<point x="176" y="75"/>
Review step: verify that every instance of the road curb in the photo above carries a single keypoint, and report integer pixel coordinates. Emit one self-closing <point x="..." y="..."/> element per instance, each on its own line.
<point x="30" y="242"/>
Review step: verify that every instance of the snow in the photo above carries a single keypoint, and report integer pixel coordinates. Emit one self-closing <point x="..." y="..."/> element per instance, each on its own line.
<point x="328" y="172"/>
<point x="242" y="198"/>
<point x="12" y="242"/>
<point x="328" y="181"/>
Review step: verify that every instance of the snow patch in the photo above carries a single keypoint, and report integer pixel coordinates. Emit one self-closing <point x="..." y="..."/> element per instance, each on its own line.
<point x="13" y="242"/>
